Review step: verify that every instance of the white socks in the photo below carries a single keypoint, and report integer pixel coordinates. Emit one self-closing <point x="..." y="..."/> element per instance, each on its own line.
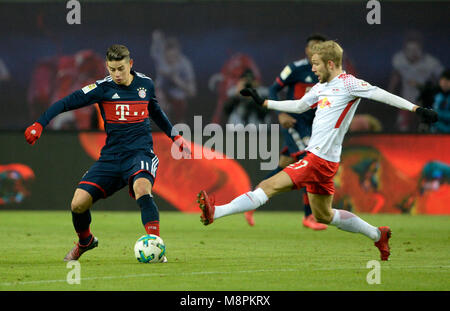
<point x="342" y="219"/>
<point x="347" y="221"/>
<point x="243" y="203"/>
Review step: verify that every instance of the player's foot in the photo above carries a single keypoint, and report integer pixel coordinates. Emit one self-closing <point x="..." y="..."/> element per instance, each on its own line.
<point x="207" y="207"/>
<point x="311" y="222"/>
<point x="249" y="217"/>
<point x="78" y="249"/>
<point x="383" y="242"/>
<point x="164" y="260"/>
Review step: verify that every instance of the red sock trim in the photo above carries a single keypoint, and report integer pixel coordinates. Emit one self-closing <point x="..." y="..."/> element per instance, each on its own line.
<point x="152" y="227"/>
<point x="84" y="234"/>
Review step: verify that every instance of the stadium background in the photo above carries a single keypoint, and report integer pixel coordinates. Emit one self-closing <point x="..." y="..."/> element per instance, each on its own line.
<point x="271" y="33"/>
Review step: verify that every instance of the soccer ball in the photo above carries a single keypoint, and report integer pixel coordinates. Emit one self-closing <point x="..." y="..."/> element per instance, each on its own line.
<point x="149" y="248"/>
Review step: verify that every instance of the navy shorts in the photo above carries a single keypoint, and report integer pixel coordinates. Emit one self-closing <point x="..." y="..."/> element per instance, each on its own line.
<point x="113" y="172"/>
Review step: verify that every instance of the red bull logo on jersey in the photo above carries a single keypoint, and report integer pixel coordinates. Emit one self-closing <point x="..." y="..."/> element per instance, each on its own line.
<point x="324" y="103"/>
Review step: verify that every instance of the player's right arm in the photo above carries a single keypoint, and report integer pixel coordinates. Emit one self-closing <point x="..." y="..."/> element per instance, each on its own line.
<point x="86" y="96"/>
<point x="294" y="106"/>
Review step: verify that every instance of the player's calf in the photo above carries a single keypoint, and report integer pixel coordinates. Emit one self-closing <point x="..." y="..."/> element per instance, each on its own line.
<point x="323" y="218"/>
<point x="321" y="207"/>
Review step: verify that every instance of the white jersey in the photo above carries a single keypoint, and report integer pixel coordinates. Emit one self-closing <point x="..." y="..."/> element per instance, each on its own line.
<point x="336" y="103"/>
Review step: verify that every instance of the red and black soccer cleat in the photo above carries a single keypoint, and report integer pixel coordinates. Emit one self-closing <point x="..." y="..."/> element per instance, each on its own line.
<point x="78" y="249"/>
<point x="207" y="207"/>
<point x="383" y="242"/>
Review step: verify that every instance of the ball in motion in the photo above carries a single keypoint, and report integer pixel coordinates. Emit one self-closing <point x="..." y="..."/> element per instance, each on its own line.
<point x="149" y="248"/>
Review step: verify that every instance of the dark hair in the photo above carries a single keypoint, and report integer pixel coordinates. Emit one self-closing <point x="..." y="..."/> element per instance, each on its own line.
<point x="117" y="52"/>
<point x="316" y="37"/>
<point x="446" y="74"/>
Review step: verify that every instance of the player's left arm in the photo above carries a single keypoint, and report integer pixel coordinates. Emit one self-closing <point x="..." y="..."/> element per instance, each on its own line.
<point x="158" y="115"/>
<point x="361" y="88"/>
<point x="163" y="122"/>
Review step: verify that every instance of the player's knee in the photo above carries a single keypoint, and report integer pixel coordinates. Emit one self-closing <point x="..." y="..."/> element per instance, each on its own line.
<point x="266" y="185"/>
<point x="78" y="206"/>
<point x="270" y="187"/>
<point x="141" y="186"/>
<point x="81" y="202"/>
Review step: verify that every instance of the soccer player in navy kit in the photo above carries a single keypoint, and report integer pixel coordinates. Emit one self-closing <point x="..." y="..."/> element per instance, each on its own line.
<point x="296" y="128"/>
<point x="127" y="100"/>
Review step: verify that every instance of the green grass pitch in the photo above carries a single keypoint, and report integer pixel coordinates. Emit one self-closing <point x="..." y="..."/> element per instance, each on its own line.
<point x="277" y="254"/>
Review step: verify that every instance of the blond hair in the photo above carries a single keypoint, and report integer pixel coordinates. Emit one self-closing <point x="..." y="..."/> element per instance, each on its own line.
<point x="329" y="50"/>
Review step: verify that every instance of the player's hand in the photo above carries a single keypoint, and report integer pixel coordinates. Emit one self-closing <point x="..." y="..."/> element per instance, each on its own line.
<point x="182" y="145"/>
<point x="427" y="115"/>
<point x="249" y="91"/>
<point x="33" y="132"/>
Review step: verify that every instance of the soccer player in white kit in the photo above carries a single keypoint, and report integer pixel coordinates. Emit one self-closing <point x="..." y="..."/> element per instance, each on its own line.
<point x="336" y="97"/>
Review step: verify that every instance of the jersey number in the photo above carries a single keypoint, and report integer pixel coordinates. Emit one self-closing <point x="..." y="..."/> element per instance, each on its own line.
<point x="298" y="165"/>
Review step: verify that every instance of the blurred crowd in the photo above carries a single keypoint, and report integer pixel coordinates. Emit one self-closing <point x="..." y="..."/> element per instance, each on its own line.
<point x="416" y="76"/>
<point x="420" y="78"/>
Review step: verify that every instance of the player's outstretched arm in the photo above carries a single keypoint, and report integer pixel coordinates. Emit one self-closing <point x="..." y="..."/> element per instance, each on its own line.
<point x="361" y="88"/>
<point x="426" y="115"/>
<point x="294" y="106"/>
<point x="80" y="98"/>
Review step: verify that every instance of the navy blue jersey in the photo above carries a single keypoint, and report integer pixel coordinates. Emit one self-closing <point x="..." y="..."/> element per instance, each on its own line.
<point x="124" y="109"/>
<point x="298" y="78"/>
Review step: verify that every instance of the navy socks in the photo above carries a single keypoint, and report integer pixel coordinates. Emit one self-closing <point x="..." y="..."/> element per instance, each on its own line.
<point x="149" y="214"/>
<point x="81" y="223"/>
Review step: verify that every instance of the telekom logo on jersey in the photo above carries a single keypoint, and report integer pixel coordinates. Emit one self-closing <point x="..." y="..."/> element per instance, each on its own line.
<point x="120" y="110"/>
<point x="125" y="111"/>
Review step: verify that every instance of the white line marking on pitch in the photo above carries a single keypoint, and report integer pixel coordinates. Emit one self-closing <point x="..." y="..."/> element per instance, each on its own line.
<point x="142" y="275"/>
<point x="211" y="272"/>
